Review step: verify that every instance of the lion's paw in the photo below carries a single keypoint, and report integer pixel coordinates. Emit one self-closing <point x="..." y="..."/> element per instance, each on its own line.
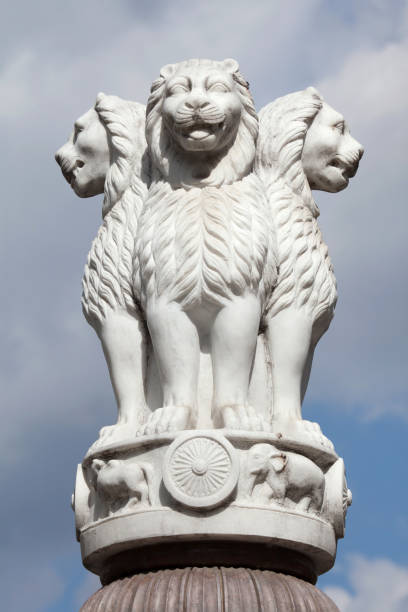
<point x="307" y="431"/>
<point x="120" y="430"/>
<point x="242" y="417"/>
<point x="167" y="419"/>
<point x="114" y="433"/>
<point x="315" y="433"/>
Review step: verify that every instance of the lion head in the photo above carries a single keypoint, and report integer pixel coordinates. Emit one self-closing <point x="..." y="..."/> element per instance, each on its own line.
<point x="105" y="149"/>
<point x="303" y="144"/>
<point x="307" y="143"/>
<point x="201" y="124"/>
<point x="106" y="154"/>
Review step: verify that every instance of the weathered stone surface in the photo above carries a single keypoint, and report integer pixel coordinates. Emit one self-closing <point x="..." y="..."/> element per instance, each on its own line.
<point x="209" y="589"/>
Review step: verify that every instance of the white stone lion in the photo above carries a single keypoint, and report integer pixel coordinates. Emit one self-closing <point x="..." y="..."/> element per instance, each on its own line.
<point x="204" y="261"/>
<point x="303" y="144"/>
<point x="106" y="154"/>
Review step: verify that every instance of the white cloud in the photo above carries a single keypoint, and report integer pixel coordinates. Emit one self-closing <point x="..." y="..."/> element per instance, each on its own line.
<point x="15" y="85"/>
<point x="43" y="390"/>
<point x="124" y="56"/>
<point x="340" y="597"/>
<point x="377" y="585"/>
<point x="370" y="83"/>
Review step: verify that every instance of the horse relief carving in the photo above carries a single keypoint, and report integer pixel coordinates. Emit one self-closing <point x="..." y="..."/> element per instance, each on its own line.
<point x="271" y="476"/>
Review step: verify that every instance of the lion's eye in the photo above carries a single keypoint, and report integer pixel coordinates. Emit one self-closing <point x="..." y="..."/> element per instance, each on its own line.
<point x="77" y="131"/>
<point x="177" y="89"/>
<point x="340" y="127"/>
<point x="221" y="87"/>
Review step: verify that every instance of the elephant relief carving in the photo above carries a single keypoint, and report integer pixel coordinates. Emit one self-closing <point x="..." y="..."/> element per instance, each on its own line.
<point x="120" y="485"/>
<point x="285" y="478"/>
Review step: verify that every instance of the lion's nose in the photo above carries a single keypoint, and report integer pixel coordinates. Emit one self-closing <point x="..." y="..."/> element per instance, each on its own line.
<point x="61" y="154"/>
<point x="58" y="156"/>
<point x="196" y="102"/>
<point x="360" y="150"/>
<point x="358" y="147"/>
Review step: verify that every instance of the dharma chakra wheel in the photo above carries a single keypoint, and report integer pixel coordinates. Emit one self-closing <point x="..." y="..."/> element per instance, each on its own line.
<point x="200" y="470"/>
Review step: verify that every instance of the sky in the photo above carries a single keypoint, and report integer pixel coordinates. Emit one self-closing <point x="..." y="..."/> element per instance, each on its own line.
<point x="55" y="394"/>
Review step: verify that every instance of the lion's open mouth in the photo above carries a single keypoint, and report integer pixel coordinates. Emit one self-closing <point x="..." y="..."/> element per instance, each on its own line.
<point x="69" y="168"/>
<point x="348" y="165"/>
<point x="200" y="130"/>
<point x="199" y="124"/>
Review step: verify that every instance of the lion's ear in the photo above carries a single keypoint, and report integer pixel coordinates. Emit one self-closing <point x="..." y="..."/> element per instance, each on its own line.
<point x="230" y="65"/>
<point x="97" y="465"/>
<point x="167" y="71"/>
<point x="312" y="91"/>
<point x="100" y="96"/>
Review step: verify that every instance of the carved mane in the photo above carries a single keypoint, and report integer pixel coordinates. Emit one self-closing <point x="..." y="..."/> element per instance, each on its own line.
<point x="226" y="168"/>
<point x="305" y="271"/>
<point x="107" y="281"/>
<point x="203" y="239"/>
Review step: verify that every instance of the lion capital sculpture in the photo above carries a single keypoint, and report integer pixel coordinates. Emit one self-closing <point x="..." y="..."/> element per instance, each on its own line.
<point x="204" y="259"/>
<point x="106" y="154"/>
<point x="303" y="144"/>
<point x="209" y="237"/>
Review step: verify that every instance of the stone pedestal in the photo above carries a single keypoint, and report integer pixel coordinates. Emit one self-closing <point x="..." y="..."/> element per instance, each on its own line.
<point x="210" y="497"/>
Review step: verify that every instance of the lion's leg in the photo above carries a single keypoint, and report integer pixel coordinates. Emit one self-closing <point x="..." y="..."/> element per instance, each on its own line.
<point x="177" y="348"/>
<point x="123" y="340"/>
<point x="320" y="326"/>
<point x="233" y="343"/>
<point x="313" y="429"/>
<point x="288" y="336"/>
<point x="306" y="373"/>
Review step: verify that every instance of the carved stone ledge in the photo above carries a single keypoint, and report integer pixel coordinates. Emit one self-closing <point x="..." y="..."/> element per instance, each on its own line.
<point x="108" y="540"/>
<point x="293" y="439"/>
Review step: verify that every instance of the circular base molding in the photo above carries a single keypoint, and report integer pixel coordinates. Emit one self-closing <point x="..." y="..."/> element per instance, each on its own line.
<point x="137" y="540"/>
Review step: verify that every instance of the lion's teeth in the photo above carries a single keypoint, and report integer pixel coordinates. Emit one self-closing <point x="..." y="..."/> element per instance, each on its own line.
<point x="198" y="134"/>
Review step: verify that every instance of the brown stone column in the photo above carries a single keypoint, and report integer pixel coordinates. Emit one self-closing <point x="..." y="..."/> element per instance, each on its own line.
<point x="209" y="589"/>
